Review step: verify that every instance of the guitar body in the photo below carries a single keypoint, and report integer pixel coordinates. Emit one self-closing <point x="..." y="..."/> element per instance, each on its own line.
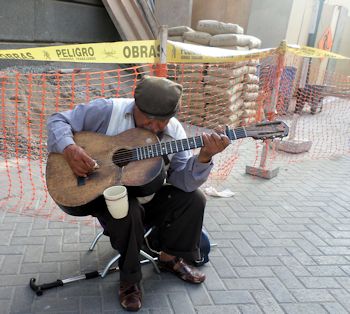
<point x="142" y="177"/>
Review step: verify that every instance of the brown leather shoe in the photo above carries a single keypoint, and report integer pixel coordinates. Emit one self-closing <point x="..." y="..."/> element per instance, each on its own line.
<point x="182" y="270"/>
<point x="130" y="296"/>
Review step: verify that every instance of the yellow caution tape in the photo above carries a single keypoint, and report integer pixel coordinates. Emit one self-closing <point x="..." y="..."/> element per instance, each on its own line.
<point x="148" y="51"/>
<point x="310" y="52"/>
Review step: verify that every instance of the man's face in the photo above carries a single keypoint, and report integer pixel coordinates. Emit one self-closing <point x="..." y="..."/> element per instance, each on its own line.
<point x="143" y="121"/>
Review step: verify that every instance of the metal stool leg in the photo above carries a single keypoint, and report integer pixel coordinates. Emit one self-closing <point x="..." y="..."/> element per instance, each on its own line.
<point x="109" y="265"/>
<point x="148" y="257"/>
<point x="151" y="259"/>
<point x="93" y="244"/>
<point x="148" y="232"/>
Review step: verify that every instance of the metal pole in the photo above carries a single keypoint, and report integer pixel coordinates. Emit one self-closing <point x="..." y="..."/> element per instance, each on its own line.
<point x="279" y="69"/>
<point x="161" y="68"/>
<point x="274" y="99"/>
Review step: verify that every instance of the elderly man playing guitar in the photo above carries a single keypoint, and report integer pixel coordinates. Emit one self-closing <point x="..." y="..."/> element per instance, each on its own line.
<point x="175" y="208"/>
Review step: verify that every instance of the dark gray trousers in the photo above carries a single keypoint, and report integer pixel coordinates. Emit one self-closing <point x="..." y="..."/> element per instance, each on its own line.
<point x="178" y="216"/>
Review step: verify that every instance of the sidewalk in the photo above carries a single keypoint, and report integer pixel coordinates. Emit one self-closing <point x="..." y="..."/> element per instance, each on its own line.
<point x="283" y="247"/>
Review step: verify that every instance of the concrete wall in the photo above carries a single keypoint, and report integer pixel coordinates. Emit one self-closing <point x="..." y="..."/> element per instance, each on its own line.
<point x="326" y="17"/>
<point x="33" y="23"/>
<point x="228" y="11"/>
<point x="48" y="21"/>
<point x="301" y="17"/>
<point x="269" y="21"/>
<point x="344" y="3"/>
<point x="343" y="66"/>
<point x="174" y="13"/>
<point x="316" y="74"/>
<point x="341" y="44"/>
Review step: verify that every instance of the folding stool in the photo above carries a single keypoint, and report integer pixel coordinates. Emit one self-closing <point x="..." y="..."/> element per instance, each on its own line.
<point x="148" y="258"/>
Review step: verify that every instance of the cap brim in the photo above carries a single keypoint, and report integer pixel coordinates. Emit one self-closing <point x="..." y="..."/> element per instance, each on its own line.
<point x="157" y="117"/>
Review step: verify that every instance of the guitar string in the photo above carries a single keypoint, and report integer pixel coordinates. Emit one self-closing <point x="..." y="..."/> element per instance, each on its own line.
<point x="148" y="151"/>
<point x="131" y="155"/>
<point x="153" y="149"/>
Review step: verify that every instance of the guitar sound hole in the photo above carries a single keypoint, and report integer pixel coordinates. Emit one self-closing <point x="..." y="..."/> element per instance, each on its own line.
<point x="122" y="157"/>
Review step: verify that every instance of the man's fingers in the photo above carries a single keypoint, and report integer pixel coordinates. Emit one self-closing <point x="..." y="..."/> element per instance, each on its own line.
<point x="80" y="166"/>
<point x="89" y="164"/>
<point x="80" y="162"/>
<point x="225" y="140"/>
<point x="84" y="156"/>
<point x="213" y="144"/>
<point x="218" y="140"/>
<point x="79" y="172"/>
<point x="207" y="140"/>
<point x="86" y="161"/>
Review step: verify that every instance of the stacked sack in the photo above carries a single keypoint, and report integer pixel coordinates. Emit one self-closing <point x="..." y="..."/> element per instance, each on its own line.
<point x="188" y="35"/>
<point x="227" y="35"/>
<point x="223" y="90"/>
<point x="229" y="91"/>
<point x="193" y="102"/>
<point x="250" y="94"/>
<point x="190" y="77"/>
<point x="176" y="33"/>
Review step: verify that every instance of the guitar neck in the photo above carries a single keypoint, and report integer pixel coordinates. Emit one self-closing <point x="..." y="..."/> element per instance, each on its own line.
<point x="176" y="146"/>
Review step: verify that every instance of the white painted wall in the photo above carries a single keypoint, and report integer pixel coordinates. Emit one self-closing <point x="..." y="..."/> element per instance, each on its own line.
<point x="173" y="13"/>
<point x="343" y="66"/>
<point x="300" y="20"/>
<point x="228" y="11"/>
<point x="344" y="3"/>
<point x="269" y="21"/>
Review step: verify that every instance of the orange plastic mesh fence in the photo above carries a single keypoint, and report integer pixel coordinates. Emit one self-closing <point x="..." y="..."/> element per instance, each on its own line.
<point x="233" y="94"/>
<point x="317" y="111"/>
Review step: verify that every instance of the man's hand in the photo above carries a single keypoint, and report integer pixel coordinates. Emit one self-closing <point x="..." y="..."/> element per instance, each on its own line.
<point x="213" y="144"/>
<point x="79" y="161"/>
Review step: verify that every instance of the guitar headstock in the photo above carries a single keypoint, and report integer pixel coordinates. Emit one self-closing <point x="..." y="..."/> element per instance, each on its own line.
<point x="267" y="130"/>
<point x="260" y="131"/>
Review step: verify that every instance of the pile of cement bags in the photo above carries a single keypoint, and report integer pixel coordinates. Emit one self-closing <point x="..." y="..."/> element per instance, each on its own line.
<point x="218" y="93"/>
<point x="215" y="34"/>
<point x="231" y="91"/>
<point x="193" y="98"/>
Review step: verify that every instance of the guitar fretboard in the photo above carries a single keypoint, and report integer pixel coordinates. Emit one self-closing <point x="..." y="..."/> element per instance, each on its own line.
<point x="176" y="146"/>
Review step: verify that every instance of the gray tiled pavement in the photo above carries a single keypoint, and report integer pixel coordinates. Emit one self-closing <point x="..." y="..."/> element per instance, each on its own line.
<point x="283" y="247"/>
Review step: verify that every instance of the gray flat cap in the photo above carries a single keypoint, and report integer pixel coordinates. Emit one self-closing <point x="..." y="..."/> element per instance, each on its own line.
<point x="158" y="97"/>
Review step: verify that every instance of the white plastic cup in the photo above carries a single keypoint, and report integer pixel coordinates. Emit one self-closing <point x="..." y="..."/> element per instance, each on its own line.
<point x="116" y="198"/>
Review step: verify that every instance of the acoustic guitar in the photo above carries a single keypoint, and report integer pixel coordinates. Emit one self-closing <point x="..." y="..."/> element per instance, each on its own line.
<point x="133" y="158"/>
